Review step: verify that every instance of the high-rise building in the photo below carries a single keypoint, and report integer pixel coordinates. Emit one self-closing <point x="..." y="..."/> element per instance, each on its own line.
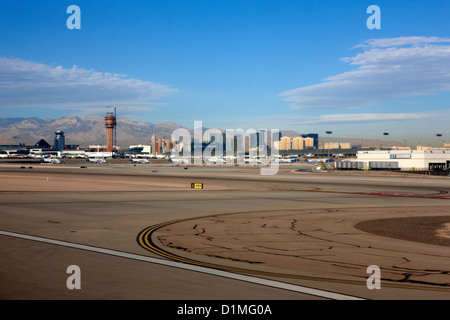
<point x="298" y="143"/>
<point x="276" y="145"/>
<point x="315" y="140"/>
<point x="337" y="145"/>
<point x="168" y="144"/>
<point x="154" y="144"/>
<point x="285" y="143"/>
<point x="158" y="146"/>
<point x="309" y="143"/>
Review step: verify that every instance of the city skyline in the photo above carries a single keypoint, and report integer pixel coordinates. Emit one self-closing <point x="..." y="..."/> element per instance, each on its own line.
<point x="297" y="65"/>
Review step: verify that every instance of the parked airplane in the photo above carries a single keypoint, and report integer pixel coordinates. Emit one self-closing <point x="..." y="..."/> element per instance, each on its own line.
<point x="295" y="159"/>
<point x="214" y="160"/>
<point x="319" y="160"/>
<point x="252" y="161"/>
<point x="50" y="160"/>
<point x="139" y="160"/>
<point x="178" y="160"/>
<point x="96" y="160"/>
<point x="286" y="160"/>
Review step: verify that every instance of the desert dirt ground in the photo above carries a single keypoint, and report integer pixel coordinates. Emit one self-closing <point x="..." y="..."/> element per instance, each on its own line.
<point x="314" y="229"/>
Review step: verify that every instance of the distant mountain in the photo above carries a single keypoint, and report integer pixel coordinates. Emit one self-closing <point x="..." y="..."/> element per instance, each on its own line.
<point x="8" y="121"/>
<point x="81" y="131"/>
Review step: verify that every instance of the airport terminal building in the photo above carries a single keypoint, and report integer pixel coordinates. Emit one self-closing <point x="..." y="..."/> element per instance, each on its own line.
<point x="405" y="160"/>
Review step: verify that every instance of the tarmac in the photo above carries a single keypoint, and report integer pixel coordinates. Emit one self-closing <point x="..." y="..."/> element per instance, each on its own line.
<point x="319" y="230"/>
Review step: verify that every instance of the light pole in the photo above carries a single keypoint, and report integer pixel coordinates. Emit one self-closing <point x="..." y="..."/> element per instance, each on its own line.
<point x="440" y="135"/>
<point x="329" y="132"/>
<point x="386" y="134"/>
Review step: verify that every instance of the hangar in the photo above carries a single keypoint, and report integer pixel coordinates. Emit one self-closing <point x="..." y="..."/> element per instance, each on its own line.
<point x="405" y="160"/>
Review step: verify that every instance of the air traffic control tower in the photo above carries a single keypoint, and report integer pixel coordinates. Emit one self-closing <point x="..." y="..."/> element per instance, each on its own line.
<point x="110" y="123"/>
<point x="59" y="142"/>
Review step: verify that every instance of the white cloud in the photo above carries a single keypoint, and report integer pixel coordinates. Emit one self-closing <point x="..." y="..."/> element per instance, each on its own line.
<point x="29" y="84"/>
<point x="401" y="41"/>
<point x="406" y="120"/>
<point x="386" y="69"/>
<point x="353" y="118"/>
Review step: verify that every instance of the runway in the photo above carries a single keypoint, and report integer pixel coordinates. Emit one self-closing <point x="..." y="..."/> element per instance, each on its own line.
<point x="305" y="233"/>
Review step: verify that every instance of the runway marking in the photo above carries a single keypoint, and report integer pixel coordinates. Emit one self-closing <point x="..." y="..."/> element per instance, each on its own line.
<point x="190" y="267"/>
<point x="145" y="241"/>
<point x="398" y="194"/>
<point x="441" y="194"/>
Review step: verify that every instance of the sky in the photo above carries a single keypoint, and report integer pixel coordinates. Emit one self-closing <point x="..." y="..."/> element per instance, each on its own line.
<point x="307" y="66"/>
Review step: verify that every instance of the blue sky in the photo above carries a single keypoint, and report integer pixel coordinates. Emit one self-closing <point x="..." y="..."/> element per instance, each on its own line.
<point x="307" y="66"/>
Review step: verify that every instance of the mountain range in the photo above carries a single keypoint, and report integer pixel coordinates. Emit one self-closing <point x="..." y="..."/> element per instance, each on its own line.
<point x="80" y="131"/>
<point x="91" y="130"/>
